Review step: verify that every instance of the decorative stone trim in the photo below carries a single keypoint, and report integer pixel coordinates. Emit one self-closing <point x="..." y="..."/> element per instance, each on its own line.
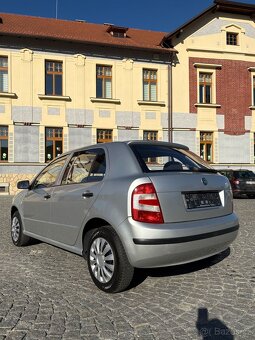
<point x="8" y="95"/>
<point x="48" y="97"/>
<point x="104" y="100"/>
<point x="210" y="66"/>
<point x="9" y="181"/>
<point x="208" y="105"/>
<point x="147" y="102"/>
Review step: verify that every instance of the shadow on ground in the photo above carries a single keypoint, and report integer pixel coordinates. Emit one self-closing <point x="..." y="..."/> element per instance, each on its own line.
<point x="140" y="275"/>
<point x="212" y="329"/>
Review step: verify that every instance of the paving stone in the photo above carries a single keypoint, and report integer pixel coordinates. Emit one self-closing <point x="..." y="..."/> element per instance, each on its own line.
<point x="47" y="293"/>
<point x="15" y="335"/>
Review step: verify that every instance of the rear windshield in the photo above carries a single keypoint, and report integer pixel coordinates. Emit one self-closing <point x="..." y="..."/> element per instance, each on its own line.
<point x="244" y="174"/>
<point x="165" y="158"/>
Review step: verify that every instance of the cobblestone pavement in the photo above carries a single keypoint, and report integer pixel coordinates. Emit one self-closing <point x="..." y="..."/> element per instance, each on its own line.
<point x="46" y="293"/>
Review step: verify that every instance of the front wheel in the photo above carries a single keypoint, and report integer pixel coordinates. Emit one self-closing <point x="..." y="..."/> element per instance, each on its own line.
<point x="17" y="235"/>
<point x="107" y="261"/>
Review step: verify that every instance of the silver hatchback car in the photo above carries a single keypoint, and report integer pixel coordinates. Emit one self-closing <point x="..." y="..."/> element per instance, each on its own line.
<point x="127" y="204"/>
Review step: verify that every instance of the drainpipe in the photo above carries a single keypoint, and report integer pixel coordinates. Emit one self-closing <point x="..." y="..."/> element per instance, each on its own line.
<point x="170" y="102"/>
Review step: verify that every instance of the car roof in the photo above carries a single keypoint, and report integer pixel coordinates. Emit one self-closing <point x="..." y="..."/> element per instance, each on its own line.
<point x="129" y="142"/>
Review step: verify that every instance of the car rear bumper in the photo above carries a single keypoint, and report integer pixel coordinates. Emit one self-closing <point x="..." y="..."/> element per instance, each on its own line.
<point x="150" y="246"/>
<point x="243" y="192"/>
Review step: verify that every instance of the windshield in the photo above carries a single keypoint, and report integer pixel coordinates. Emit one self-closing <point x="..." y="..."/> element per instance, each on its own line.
<point x="165" y="158"/>
<point x="244" y="174"/>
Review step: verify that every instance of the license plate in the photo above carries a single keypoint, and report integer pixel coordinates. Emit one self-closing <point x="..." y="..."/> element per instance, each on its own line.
<point x="250" y="182"/>
<point x="196" y="200"/>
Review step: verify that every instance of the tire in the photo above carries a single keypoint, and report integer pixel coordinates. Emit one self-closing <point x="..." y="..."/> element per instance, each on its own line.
<point x="18" y="238"/>
<point x="107" y="261"/>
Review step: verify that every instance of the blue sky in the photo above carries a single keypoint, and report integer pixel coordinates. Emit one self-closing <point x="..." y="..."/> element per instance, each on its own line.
<point x="159" y="15"/>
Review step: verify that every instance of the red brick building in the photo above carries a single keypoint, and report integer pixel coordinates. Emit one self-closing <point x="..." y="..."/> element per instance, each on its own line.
<point x="213" y="77"/>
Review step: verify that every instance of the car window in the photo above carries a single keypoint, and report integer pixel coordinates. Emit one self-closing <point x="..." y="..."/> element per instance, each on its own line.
<point x="166" y="158"/>
<point x="85" y="166"/>
<point x="50" y="174"/>
<point x="228" y="174"/>
<point x="223" y="173"/>
<point x="244" y="174"/>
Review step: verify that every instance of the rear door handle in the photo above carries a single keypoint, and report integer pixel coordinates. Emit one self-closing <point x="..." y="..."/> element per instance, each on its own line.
<point x="47" y="196"/>
<point x="87" y="194"/>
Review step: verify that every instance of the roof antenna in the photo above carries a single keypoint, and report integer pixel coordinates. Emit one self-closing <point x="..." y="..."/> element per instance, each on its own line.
<point x="56" y="9"/>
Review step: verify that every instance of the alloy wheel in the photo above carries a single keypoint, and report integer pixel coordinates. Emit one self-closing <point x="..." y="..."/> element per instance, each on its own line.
<point x="15" y="229"/>
<point x="101" y="260"/>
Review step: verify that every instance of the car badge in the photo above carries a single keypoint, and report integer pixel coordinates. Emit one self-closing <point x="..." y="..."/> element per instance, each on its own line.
<point x="204" y="181"/>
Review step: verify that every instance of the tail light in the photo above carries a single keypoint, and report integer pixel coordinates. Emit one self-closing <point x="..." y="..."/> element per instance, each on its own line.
<point x="145" y="204"/>
<point x="235" y="181"/>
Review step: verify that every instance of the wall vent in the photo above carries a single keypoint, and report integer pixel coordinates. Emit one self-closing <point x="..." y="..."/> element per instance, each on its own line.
<point x="4" y="188"/>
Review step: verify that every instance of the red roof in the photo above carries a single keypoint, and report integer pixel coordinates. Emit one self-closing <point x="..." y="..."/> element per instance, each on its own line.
<point x="82" y="32"/>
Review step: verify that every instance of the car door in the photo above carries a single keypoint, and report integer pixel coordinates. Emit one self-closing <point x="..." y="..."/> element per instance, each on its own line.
<point x="79" y="188"/>
<point x="37" y="203"/>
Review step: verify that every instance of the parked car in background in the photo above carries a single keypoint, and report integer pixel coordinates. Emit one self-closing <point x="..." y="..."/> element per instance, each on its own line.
<point x="127" y="204"/>
<point x="242" y="181"/>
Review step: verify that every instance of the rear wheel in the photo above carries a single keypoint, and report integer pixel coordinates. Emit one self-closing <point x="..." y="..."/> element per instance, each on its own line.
<point x="17" y="235"/>
<point x="107" y="261"/>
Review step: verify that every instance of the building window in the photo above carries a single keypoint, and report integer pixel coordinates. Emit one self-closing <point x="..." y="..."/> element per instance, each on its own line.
<point x="150" y="85"/>
<point x="253" y="91"/>
<point x="119" y="34"/>
<point x="206" y="146"/>
<point x="150" y="135"/>
<point x="3" y="143"/>
<point x="205" y="88"/>
<point x="232" y="38"/>
<point x="104" y="136"/>
<point x="3" y="74"/>
<point x="254" y="147"/>
<point x="53" y="78"/>
<point x="104" y="82"/>
<point x="53" y="143"/>
<point x="117" y="31"/>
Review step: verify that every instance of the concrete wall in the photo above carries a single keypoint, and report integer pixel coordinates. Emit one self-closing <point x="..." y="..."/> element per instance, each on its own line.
<point x="26" y="143"/>
<point x="234" y="150"/>
<point x="79" y="137"/>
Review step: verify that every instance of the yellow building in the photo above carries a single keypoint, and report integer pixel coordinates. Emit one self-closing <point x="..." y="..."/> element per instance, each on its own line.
<point x="66" y="84"/>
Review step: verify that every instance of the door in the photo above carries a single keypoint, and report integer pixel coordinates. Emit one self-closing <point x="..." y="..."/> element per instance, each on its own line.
<point x="37" y="203"/>
<point x="80" y="186"/>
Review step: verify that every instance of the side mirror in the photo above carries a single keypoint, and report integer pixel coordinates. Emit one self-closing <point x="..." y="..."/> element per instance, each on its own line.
<point x="23" y="184"/>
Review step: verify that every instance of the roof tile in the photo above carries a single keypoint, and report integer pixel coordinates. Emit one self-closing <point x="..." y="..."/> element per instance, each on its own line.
<point x="48" y="28"/>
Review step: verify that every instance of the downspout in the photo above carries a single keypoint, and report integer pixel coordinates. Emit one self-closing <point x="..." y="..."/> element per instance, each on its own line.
<point x="170" y="101"/>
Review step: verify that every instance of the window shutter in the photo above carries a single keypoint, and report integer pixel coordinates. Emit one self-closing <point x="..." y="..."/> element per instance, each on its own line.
<point x="146" y="91"/>
<point x="108" y="88"/>
<point x="3" y="81"/>
<point x="153" y="92"/>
